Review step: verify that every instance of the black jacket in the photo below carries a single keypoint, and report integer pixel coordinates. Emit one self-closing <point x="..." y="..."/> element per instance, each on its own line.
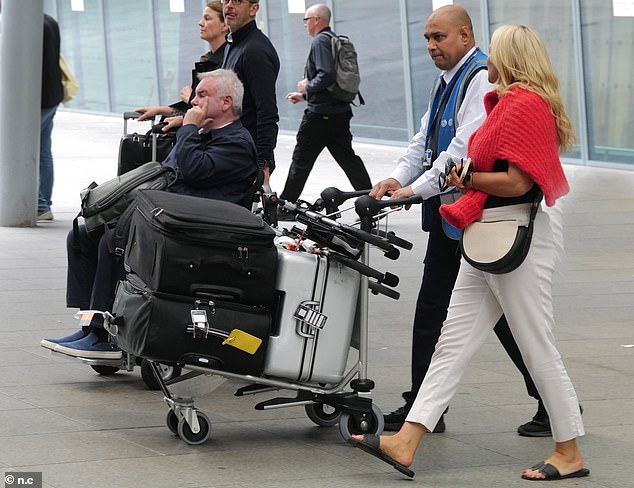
<point x="254" y="59"/>
<point x="52" y="89"/>
<point x="320" y="71"/>
<point x="219" y="164"/>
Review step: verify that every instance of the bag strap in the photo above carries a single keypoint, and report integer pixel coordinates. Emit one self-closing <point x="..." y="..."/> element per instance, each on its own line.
<point x="535" y="205"/>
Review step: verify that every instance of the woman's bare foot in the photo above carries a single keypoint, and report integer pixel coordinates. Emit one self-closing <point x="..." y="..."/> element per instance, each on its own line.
<point x="566" y="458"/>
<point x="401" y="446"/>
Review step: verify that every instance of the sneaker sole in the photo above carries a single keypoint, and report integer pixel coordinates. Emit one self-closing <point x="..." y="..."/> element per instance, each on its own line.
<point x="48" y="344"/>
<point x="88" y="354"/>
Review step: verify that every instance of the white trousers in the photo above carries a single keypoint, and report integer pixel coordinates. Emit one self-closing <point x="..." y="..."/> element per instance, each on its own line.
<point x="524" y="295"/>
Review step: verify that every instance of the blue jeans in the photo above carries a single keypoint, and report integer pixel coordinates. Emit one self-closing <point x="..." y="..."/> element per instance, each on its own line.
<point x="46" y="160"/>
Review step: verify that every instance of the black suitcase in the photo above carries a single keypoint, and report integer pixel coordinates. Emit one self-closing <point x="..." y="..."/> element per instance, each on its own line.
<point x="201" y="247"/>
<point x="136" y="149"/>
<point x="159" y="326"/>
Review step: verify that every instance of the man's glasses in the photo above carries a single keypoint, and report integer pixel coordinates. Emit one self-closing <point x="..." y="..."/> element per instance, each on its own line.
<point x="306" y="19"/>
<point x="237" y="2"/>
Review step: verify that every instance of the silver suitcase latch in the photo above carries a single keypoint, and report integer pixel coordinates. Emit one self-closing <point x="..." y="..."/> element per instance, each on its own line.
<point x="309" y="319"/>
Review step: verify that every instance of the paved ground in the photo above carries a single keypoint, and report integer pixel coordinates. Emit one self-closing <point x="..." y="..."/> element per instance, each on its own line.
<point x="80" y="429"/>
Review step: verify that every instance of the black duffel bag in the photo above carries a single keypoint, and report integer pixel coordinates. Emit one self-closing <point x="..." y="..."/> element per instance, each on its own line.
<point x="201" y="247"/>
<point x="160" y="327"/>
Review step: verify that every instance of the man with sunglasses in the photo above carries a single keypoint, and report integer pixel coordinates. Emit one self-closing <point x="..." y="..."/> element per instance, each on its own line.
<point x="254" y="59"/>
<point x="456" y="110"/>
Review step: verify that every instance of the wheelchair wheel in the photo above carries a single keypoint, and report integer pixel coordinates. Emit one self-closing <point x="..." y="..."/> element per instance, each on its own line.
<point x="105" y="370"/>
<point x="366" y="424"/>
<point x="322" y="414"/>
<point x="168" y="372"/>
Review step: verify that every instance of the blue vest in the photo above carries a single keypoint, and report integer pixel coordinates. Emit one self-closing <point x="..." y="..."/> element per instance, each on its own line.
<point x="441" y="127"/>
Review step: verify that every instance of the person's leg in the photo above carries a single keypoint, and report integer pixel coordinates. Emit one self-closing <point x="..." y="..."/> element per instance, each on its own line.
<point x="46" y="161"/>
<point x="340" y="147"/>
<point x="109" y="272"/>
<point x="441" y="264"/>
<point x="473" y="311"/>
<point x="310" y="142"/>
<point x="81" y="251"/>
<point x="95" y="345"/>
<point x="539" y="425"/>
<point x="526" y="298"/>
<point x="505" y="337"/>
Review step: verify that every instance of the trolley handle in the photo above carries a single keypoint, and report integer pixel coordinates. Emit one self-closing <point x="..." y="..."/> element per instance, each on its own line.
<point x="390" y="251"/>
<point x="371" y="239"/>
<point x="379" y="289"/>
<point x="393" y="239"/>
<point x="332" y="197"/>
<point x="131" y="115"/>
<point x="388" y="279"/>
<point x="367" y="206"/>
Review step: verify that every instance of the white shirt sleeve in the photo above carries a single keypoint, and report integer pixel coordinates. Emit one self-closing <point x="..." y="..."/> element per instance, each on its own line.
<point x="409" y="169"/>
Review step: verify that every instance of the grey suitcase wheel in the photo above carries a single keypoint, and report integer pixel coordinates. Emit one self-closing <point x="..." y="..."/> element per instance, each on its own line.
<point x="172" y="421"/>
<point x="104" y="370"/>
<point x="194" y="438"/>
<point x="374" y="424"/>
<point x="168" y="372"/>
<point x="322" y="414"/>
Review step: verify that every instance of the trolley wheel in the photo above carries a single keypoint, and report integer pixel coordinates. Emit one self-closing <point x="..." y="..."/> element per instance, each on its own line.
<point x="185" y="431"/>
<point x="172" y="421"/>
<point x="322" y="414"/>
<point x="349" y="425"/>
<point x="168" y="372"/>
<point x="105" y="370"/>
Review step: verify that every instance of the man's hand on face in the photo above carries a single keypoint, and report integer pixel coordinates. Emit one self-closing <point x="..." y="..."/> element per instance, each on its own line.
<point x="197" y="115"/>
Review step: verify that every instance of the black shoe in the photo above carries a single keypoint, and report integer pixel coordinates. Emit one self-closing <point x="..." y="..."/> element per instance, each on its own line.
<point x="395" y="420"/>
<point x="539" y="426"/>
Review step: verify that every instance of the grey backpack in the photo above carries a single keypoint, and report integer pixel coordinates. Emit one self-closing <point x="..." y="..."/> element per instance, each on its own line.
<point x="346" y="86"/>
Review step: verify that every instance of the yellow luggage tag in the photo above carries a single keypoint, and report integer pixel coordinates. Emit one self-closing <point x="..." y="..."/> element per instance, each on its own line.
<point x="243" y="340"/>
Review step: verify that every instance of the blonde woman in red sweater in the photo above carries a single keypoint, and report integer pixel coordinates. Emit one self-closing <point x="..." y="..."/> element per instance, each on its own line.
<point x="515" y="154"/>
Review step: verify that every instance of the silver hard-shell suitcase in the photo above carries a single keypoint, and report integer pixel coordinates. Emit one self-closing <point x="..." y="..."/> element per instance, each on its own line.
<point x="311" y="340"/>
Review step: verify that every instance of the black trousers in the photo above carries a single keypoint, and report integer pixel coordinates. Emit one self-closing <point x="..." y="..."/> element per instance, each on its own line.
<point x="93" y="272"/>
<point x="316" y="132"/>
<point x="442" y="262"/>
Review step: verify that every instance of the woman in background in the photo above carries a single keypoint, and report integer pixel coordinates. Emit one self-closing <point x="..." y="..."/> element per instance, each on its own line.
<point x="213" y="30"/>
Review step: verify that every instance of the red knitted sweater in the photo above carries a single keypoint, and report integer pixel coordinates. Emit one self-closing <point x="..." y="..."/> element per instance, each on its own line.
<point x="519" y="128"/>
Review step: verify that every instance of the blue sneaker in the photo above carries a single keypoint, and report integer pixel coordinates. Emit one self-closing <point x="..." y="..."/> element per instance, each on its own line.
<point x="53" y="343"/>
<point x="91" y="347"/>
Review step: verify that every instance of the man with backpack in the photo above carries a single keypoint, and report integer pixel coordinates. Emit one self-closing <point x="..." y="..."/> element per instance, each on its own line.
<point x="326" y="120"/>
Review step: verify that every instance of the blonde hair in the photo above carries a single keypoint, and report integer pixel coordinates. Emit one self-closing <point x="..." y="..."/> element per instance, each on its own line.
<point x="521" y="59"/>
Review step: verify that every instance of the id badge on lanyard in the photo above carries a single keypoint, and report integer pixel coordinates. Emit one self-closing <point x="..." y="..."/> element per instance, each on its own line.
<point x="428" y="159"/>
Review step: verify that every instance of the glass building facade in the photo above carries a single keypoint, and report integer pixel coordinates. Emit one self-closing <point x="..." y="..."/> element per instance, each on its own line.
<point x="128" y="53"/>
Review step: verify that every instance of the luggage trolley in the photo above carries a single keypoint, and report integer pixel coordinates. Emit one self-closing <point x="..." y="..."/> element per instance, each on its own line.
<point x="325" y="298"/>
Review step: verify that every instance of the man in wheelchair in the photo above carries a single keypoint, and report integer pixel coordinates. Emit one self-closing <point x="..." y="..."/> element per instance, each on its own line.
<point x="214" y="157"/>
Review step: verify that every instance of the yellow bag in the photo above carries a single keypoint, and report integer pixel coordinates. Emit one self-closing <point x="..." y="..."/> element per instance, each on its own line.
<point x="69" y="82"/>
